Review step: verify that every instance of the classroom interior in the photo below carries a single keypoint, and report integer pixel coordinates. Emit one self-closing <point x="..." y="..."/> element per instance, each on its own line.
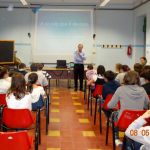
<point x="114" y="27"/>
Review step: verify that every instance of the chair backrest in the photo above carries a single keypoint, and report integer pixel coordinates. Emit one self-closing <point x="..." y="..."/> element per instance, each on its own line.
<point x="3" y="99"/>
<point x="128" y="116"/>
<point x="98" y="90"/>
<point x="14" y="141"/>
<point x="17" y="118"/>
<point x="107" y="100"/>
<point x="149" y="97"/>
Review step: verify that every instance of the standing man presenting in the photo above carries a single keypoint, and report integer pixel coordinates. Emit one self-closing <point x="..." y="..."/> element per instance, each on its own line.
<point x="79" y="58"/>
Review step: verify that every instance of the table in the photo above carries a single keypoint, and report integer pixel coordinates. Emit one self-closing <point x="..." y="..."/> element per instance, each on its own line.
<point x="61" y="73"/>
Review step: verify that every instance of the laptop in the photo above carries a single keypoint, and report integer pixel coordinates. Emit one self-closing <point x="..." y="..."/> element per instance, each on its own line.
<point x="61" y="64"/>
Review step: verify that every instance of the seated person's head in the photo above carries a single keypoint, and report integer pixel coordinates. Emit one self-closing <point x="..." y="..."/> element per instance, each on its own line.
<point x="34" y="67"/>
<point x="40" y="66"/>
<point x="90" y="67"/>
<point x="18" y="86"/>
<point x="22" y="66"/>
<point x="4" y="73"/>
<point x="109" y="76"/>
<point x="138" y="68"/>
<point x="131" y="78"/>
<point x="146" y="67"/>
<point x="118" y="68"/>
<point x="32" y="79"/>
<point x="124" y="68"/>
<point x="8" y="68"/>
<point x="101" y="70"/>
<point x="146" y="75"/>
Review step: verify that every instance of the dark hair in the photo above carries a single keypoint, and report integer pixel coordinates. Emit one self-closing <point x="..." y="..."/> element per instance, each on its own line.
<point x="18" y="86"/>
<point x="144" y="58"/>
<point x="90" y="66"/>
<point x="125" y="68"/>
<point x="146" y="74"/>
<point x="109" y="75"/>
<point x="146" y="67"/>
<point x="100" y="70"/>
<point x="34" y="67"/>
<point x="40" y="66"/>
<point x="32" y="78"/>
<point x="3" y="71"/>
<point x="22" y="65"/>
<point x="119" y="66"/>
<point x="7" y="66"/>
<point x="131" y="78"/>
<point x="138" y="68"/>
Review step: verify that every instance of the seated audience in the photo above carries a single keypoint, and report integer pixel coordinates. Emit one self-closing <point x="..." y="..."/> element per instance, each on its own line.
<point x="22" y="69"/>
<point x="4" y="85"/>
<point x="110" y="86"/>
<point x="91" y="72"/>
<point x="138" y="68"/>
<point x="99" y="77"/>
<point x="40" y="69"/>
<point x="36" y="91"/>
<point x="17" y="96"/>
<point x="138" y="126"/>
<point x="131" y="97"/>
<point x="8" y="69"/>
<point x="143" y="61"/>
<point x="146" y="75"/>
<point x="41" y="78"/>
<point x="120" y="76"/>
<point x="118" y="69"/>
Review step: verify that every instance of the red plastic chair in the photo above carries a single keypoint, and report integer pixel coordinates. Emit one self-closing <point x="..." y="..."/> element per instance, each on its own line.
<point x="126" y="118"/>
<point x="149" y="97"/>
<point x="15" y="141"/>
<point x="98" y="90"/>
<point x="21" y="119"/>
<point x="3" y="99"/>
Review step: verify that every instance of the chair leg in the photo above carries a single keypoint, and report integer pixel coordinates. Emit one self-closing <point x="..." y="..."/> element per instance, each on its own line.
<point x="39" y="129"/>
<point x="113" y="132"/>
<point x="88" y="98"/>
<point x="36" y="137"/>
<point x="91" y="102"/>
<point x="95" y="111"/>
<point x="85" y="92"/>
<point x="47" y="115"/>
<point x="100" y="117"/>
<point x="107" y="128"/>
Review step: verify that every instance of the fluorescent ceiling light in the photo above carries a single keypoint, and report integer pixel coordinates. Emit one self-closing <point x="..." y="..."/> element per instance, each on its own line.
<point x="103" y="3"/>
<point x="24" y="2"/>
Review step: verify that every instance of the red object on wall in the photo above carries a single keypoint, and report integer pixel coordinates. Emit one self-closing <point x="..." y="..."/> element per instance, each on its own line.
<point x="129" y="51"/>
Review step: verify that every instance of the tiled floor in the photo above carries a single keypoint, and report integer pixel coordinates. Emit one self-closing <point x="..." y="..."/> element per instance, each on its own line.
<point x="71" y="126"/>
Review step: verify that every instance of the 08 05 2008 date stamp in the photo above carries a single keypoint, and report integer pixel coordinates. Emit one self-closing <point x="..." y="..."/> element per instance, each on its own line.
<point x="143" y="132"/>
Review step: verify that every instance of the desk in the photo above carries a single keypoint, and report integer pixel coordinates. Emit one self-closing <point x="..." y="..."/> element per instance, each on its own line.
<point x="61" y="73"/>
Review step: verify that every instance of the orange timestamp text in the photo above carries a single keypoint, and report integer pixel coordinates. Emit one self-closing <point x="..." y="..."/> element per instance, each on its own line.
<point x="143" y="132"/>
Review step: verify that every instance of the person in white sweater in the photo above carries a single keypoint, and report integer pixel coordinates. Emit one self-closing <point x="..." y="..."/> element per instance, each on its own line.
<point x="120" y="76"/>
<point x="138" y="126"/>
<point x="17" y="96"/>
<point x="36" y="91"/>
<point x="41" y="78"/>
<point x="4" y="85"/>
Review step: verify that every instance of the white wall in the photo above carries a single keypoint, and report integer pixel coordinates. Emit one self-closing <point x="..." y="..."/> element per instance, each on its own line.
<point x="16" y="25"/>
<point x="137" y="16"/>
<point x="114" y="28"/>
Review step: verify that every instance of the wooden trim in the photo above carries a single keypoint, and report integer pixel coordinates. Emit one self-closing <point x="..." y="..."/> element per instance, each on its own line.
<point x="13" y="52"/>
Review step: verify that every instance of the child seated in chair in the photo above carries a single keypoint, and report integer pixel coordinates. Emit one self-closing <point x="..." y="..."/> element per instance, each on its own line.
<point x="36" y="91"/>
<point x="40" y="69"/>
<point x="17" y="96"/>
<point x="8" y="69"/>
<point x="91" y="72"/>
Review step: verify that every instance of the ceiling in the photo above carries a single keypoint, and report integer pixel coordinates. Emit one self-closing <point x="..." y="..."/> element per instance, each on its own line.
<point x="111" y="4"/>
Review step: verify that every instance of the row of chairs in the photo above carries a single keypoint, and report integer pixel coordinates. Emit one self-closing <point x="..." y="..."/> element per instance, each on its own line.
<point x="21" y="120"/>
<point x="127" y="117"/>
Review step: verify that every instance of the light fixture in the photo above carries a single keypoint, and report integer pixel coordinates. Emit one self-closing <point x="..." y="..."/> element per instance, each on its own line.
<point x="24" y="2"/>
<point x="103" y="3"/>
